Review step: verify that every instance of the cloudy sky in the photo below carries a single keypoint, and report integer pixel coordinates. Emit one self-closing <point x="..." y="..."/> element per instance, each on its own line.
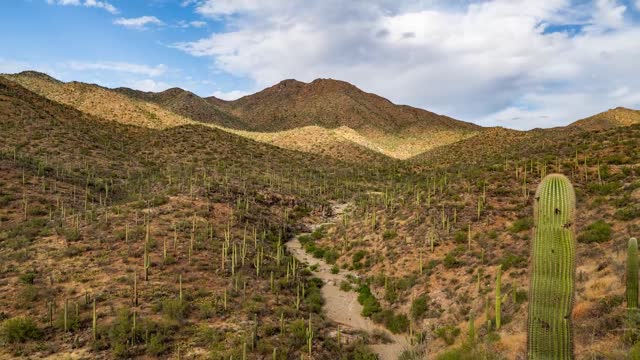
<point x="514" y="63"/>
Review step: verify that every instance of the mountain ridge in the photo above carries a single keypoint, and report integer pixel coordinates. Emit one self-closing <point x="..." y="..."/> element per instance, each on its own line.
<point x="325" y="116"/>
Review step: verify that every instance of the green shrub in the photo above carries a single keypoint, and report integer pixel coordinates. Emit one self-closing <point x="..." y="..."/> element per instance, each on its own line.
<point x="362" y="352"/>
<point x="634" y="352"/>
<point x="453" y="354"/>
<point x="71" y="234"/>
<point x="521" y="296"/>
<point x="521" y="225"/>
<point x="318" y="233"/>
<point x="120" y="332"/>
<point x="390" y="294"/>
<point x="313" y="299"/>
<point x="419" y="307"/>
<point x="28" y="278"/>
<point x="389" y="234"/>
<point x="450" y="261"/>
<point x="174" y="309"/>
<point x="397" y="324"/>
<point x="370" y="306"/>
<point x="335" y="269"/>
<point x="604" y="189"/>
<point x="598" y="231"/>
<point x="448" y="334"/>
<point x="298" y="331"/>
<point x="28" y="295"/>
<point x="628" y="213"/>
<point x="331" y="255"/>
<point x="468" y="352"/>
<point x="19" y="330"/>
<point x="157" y="345"/>
<point x="511" y="260"/>
<point x="345" y="285"/>
<point x="357" y="258"/>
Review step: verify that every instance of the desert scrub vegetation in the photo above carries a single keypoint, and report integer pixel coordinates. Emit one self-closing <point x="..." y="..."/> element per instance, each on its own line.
<point x="596" y="232"/>
<point x="77" y="194"/>
<point x="19" y="330"/>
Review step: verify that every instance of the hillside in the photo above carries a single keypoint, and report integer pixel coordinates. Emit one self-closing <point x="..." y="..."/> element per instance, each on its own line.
<point x="89" y="203"/>
<point x="609" y="119"/>
<point x="100" y="102"/>
<point x="398" y="131"/>
<point x="415" y="130"/>
<point x="331" y="104"/>
<point x="189" y="105"/>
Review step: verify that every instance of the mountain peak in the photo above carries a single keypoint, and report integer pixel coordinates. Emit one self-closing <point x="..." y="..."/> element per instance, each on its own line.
<point x="37" y="74"/>
<point x="612" y="118"/>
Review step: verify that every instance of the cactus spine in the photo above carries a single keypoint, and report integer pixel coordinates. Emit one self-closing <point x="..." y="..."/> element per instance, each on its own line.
<point x="552" y="271"/>
<point x="632" y="274"/>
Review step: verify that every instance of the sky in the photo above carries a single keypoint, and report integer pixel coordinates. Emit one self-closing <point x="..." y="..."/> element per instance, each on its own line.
<point x="514" y="63"/>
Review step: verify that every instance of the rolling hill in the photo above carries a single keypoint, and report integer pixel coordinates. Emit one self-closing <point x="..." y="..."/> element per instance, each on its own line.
<point x="396" y="130"/>
<point x="290" y="115"/>
<point x="328" y="117"/>
<point x="190" y="105"/>
<point x="612" y="118"/>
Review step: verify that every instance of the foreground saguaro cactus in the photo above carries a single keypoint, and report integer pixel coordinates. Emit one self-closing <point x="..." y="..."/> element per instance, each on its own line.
<point x="552" y="271"/>
<point x="632" y="274"/>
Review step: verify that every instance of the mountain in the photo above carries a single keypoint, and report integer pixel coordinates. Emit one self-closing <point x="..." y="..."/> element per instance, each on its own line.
<point x="156" y="111"/>
<point x="609" y="119"/>
<point x="396" y="130"/>
<point x="325" y="116"/>
<point x="99" y="101"/>
<point x="331" y="104"/>
<point x="190" y="105"/>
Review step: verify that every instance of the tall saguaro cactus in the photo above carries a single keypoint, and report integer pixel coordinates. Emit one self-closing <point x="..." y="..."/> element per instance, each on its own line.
<point x="552" y="271"/>
<point x="498" y="306"/>
<point x="632" y="274"/>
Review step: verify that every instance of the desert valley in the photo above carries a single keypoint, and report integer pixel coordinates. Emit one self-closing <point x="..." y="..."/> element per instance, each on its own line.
<point x="305" y="221"/>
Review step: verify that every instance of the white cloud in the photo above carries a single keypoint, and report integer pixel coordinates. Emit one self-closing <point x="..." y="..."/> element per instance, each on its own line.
<point x="495" y="59"/>
<point x="147" y="85"/>
<point x="152" y="71"/>
<point x="197" y="23"/>
<point x="609" y="14"/>
<point x="217" y="8"/>
<point x="86" y="3"/>
<point x="186" y="3"/>
<point x="8" y="66"/>
<point x="12" y="66"/>
<point x="230" y="95"/>
<point x="139" y="22"/>
<point x="638" y="4"/>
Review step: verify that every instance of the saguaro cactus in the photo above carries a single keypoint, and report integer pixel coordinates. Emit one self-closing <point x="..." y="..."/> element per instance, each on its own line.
<point x="632" y="274"/>
<point x="498" y="306"/>
<point x="552" y="271"/>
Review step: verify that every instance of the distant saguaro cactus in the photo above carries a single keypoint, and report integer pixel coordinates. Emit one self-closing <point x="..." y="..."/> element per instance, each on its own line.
<point x="552" y="271"/>
<point x="498" y="305"/>
<point x="632" y="274"/>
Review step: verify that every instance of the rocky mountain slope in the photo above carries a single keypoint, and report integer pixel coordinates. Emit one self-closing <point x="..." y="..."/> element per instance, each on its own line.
<point x="609" y="119"/>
